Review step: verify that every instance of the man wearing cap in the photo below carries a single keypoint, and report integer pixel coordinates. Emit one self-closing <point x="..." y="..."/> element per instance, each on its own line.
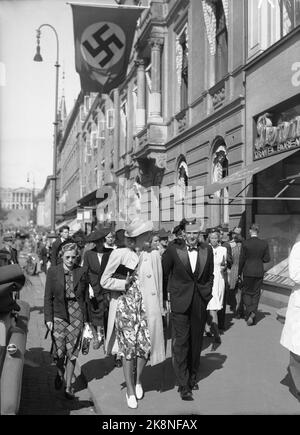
<point x="8" y="254"/>
<point x="163" y="239"/>
<point x="95" y="262"/>
<point x="188" y="269"/>
<point x="254" y="253"/>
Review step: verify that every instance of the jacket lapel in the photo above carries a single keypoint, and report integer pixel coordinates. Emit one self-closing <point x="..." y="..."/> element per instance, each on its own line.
<point x="184" y="258"/>
<point x="202" y="258"/>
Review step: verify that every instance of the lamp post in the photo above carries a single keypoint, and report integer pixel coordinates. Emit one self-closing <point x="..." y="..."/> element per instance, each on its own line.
<point x="32" y="211"/>
<point x="38" y="58"/>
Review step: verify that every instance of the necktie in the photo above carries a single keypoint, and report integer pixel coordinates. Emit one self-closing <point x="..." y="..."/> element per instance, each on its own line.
<point x="192" y="248"/>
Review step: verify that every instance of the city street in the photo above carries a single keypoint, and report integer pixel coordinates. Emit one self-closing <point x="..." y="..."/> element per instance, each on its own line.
<point x="38" y="395"/>
<point x="247" y="374"/>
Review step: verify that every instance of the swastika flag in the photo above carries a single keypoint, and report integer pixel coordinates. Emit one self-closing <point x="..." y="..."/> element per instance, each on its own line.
<point x="103" y="40"/>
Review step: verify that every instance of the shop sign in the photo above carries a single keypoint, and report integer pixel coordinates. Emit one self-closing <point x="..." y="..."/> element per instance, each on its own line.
<point x="88" y="215"/>
<point x="80" y="215"/>
<point x="276" y="139"/>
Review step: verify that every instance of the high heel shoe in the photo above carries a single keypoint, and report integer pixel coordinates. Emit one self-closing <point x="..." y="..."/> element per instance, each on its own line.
<point x="131" y="401"/>
<point x="139" y="392"/>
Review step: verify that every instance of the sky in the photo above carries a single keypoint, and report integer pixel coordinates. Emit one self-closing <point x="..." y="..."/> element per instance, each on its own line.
<point x="27" y="88"/>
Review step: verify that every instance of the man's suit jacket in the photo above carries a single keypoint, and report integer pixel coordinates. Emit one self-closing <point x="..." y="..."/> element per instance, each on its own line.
<point x="55" y="304"/>
<point x="229" y="254"/>
<point x="182" y="281"/>
<point x="95" y="270"/>
<point x="254" y="253"/>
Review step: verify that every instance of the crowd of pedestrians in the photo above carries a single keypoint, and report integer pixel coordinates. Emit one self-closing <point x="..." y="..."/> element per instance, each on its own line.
<point x="115" y="286"/>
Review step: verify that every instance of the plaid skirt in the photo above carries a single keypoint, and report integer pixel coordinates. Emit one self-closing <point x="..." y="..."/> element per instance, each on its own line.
<point x="67" y="335"/>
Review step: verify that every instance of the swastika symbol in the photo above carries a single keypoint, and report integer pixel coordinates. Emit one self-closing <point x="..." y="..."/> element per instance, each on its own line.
<point x="103" y="44"/>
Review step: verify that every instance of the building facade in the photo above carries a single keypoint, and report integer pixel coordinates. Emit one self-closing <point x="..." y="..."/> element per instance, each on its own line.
<point x="272" y="75"/>
<point x="209" y="85"/>
<point x="182" y="109"/>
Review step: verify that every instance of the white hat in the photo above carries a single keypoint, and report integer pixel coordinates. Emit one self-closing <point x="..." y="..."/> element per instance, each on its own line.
<point x="137" y="227"/>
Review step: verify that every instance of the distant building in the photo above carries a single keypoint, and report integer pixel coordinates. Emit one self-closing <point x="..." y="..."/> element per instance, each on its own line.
<point x="21" y="198"/>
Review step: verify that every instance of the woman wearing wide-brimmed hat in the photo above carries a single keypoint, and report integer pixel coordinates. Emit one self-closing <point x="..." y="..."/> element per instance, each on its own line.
<point x="135" y="329"/>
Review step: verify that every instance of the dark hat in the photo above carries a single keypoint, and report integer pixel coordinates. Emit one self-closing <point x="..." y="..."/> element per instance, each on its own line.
<point x="163" y="234"/>
<point x="98" y="235"/>
<point x="177" y="229"/>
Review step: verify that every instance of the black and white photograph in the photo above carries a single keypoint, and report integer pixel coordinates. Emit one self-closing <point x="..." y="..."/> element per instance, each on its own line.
<point x="149" y="210"/>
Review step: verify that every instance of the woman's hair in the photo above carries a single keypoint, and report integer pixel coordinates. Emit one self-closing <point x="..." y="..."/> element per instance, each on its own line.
<point x="214" y="231"/>
<point x="69" y="247"/>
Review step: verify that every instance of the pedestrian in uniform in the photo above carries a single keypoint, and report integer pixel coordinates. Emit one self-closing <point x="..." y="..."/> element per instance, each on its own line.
<point x="188" y="277"/>
<point x="8" y="249"/>
<point x="65" y="313"/>
<point x="254" y="253"/>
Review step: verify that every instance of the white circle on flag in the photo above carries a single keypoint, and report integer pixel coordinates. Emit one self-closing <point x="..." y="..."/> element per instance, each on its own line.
<point x="103" y="45"/>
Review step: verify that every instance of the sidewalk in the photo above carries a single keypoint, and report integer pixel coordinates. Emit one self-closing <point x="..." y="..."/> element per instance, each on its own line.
<point x="247" y="374"/>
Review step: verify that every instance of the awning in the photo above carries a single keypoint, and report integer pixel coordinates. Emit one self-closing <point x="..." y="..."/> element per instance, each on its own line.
<point x="247" y="171"/>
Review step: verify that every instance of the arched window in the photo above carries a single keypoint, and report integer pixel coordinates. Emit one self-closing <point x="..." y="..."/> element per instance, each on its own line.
<point x="220" y="171"/>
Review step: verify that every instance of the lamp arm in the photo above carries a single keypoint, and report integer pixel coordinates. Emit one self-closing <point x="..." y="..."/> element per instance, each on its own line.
<point x="56" y="35"/>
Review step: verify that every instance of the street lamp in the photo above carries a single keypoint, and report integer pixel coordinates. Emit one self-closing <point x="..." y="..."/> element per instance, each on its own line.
<point x="38" y="58"/>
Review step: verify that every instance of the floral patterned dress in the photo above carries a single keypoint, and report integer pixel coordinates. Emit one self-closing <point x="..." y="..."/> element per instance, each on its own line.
<point x="131" y="325"/>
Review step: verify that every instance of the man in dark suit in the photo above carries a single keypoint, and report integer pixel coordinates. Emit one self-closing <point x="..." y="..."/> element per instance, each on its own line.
<point x="95" y="262"/>
<point x="188" y="275"/>
<point x="63" y="237"/>
<point x="254" y="253"/>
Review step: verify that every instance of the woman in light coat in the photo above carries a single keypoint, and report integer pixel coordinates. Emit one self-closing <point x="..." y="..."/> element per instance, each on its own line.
<point x="290" y="337"/>
<point x="135" y="328"/>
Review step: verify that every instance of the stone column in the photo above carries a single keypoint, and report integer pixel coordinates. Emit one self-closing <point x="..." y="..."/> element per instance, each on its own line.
<point x="141" y="100"/>
<point x="155" y="96"/>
